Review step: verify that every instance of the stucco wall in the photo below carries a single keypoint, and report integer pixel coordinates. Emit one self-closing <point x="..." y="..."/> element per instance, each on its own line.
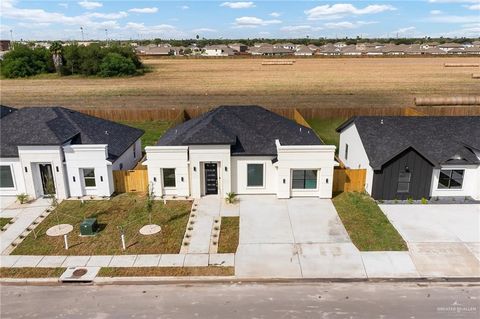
<point x="470" y="187"/>
<point x="30" y="157"/>
<point x="239" y="175"/>
<point x="357" y="156"/>
<point x="127" y="158"/>
<point x="18" y="181"/>
<point x="78" y="157"/>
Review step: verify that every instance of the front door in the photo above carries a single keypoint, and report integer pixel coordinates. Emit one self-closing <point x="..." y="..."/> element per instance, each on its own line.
<point x="211" y="179"/>
<point x="46" y="175"/>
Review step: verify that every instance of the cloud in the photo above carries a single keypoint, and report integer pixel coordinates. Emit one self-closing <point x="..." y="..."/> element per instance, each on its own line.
<point x="347" y="24"/>
<point x="299" y="28"/>
<point x="275" y="14"/>
<point x="238" y="5"/>
<point x="435" y="12"/>
<point x="473" y="7"/>
<point x="340" y="10"/>
<point x="144" y="10"/>
<point x="117" y="15"/>
<point x="405" y="30"/>
<point x="201" y="30"/>
<point x="253" y="22"/>
<point x="184" y="7"/>
<point x="453" y="1"/>
<point x="90" y="5"/>
<point x="63" y="4"/>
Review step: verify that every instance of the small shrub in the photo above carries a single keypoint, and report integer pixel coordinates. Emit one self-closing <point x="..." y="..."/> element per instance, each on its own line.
<point x="231" y="198"/>
<point x="410" y="200"/>
<point x="114" y="64"/>
<point x="424" y="200"/>
<point x="22" y="198"/>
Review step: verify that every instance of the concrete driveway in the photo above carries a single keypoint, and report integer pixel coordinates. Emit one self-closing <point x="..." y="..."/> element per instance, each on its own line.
<point x="298" y="237"/>
<point x="443" y="240"/>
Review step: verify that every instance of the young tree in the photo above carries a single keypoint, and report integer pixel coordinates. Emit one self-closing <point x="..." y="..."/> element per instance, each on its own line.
<point x="115" y="64"/>
<point x="56" y="49"/>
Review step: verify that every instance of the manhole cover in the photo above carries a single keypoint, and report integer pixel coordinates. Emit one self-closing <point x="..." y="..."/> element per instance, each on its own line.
<point x="79" y="272"/>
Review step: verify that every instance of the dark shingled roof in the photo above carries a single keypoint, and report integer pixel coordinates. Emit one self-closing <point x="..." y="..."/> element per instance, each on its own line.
<point x="250" y="130"/>
<point x="58" y="125"/>
<point x="440" y="139"/>
<point x="5" y="110"/>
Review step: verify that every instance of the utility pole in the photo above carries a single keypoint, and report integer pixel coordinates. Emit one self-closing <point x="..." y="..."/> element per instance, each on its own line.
<point x="11" y="38"/>
<point x="81" y="29"/>
<point x="106" y="35"/>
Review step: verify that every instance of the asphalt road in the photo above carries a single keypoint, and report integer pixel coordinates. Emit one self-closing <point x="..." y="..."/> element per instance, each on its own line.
<point x="275" y="300"/>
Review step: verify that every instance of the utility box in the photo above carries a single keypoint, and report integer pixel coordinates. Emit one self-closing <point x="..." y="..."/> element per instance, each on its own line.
<point x="89" y="227"/>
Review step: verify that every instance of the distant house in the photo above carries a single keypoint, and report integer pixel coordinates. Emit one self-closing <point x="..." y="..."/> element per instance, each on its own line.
<point x="238" y="47"/>
<point x="270" y="50"/>
<point x="414" y="157"/>
<point x="47" y="150"/>
<point x="350" y="50"/>
<point x="392" y="49"/>
<point x="241" y="149"/>
<point x="330" y="49"/>
<point x="218" y="50"/>
<point x="303" y="50"/>
<point x="4" y="45"/>
<point x="450" y="46"/>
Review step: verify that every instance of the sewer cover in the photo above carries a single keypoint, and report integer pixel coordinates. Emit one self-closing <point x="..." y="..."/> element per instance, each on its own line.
<point x="79" y="274"/>
<point x="150" y="229"/>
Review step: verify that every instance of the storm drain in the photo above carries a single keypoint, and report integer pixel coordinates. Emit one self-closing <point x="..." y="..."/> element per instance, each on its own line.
<point x="79" y="274"/>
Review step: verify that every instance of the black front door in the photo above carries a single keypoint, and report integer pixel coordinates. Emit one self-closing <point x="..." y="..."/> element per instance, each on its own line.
<point x="46" y="175"/>
<point x="211" y="179"/>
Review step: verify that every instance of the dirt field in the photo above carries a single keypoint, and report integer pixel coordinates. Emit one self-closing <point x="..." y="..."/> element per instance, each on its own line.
<point x="332" y="82"/>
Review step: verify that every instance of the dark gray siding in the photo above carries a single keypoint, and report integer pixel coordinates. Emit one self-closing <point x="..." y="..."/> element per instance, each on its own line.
<point x="385" y="181"/>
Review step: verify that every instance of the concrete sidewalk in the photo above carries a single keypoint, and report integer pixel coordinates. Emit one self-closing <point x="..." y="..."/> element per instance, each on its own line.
<point x="165" y="260"/>
<point x="24" y="216"/>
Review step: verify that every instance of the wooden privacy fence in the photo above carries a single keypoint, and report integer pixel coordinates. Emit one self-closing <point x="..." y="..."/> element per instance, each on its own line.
<point x="349" y="180"/>
<point x="130" y="181"/>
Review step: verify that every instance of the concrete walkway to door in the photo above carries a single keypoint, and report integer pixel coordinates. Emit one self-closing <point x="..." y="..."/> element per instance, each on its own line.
<point x="294" y="238"/>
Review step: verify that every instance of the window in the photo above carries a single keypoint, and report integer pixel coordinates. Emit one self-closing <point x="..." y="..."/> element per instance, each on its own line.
<point x="89" y="177"/>
<point x="403" y="185"/>
<point x="304" y="179"/>
<point x="450" y="179"/>
<point x="346" y="151"/>
<point x="6" y="177"/>
<point x="134" y="151"/>
<point x="254" y="175"/>
<point x="168" y="177"/>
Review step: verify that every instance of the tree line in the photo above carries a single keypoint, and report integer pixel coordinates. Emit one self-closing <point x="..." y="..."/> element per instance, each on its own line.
<point x="93" y="60"/>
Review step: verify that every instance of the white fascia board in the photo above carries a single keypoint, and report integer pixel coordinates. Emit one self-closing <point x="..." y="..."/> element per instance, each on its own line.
<point x="86" y="147"/>
<point x="303" y="148"/>
<point x="165" y="149"/>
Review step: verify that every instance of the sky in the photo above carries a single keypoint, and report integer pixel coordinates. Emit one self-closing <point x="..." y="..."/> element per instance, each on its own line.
<point x="65" y="20"/>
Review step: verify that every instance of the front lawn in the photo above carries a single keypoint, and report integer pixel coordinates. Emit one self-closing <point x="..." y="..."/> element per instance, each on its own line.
<point x="325" y="129"/>
<point x="4" y="221"/>
<point x="229" y="233"/>
<point x="367" y="225"/>
<point x="125" y="211"/>
<point x="166" y="271"/>
<point x="153" y="130"/>
<point x="30" y="272"/>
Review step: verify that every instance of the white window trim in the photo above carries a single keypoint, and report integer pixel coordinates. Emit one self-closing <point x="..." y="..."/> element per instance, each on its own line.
<point x="13" y="179"/>
<point x="304" y="189"/>
<point x="163" y="181"/>
<point x="264" y="176"/>
<point x="83" y="179"/>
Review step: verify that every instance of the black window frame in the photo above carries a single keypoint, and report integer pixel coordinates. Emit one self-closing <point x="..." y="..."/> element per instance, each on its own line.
<point x="12" y="180"/>
<point x="167" y="180"/>
<point x="448" y="173"/>
<point x="304" y="179"/>
<point x="249" y="179"/>
<point x="404" y="179"/>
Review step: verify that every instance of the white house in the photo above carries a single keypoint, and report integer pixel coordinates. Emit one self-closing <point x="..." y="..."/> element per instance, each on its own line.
<point x="218" y="50"/>
<point x="414" y="157"/>
<point x="241" y="149"/>
<point x="45" y="150"/>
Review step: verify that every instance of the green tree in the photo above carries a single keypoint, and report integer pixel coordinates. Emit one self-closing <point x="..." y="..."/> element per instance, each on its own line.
<point x="115" y="64"/>
<point x="25" y="61"/>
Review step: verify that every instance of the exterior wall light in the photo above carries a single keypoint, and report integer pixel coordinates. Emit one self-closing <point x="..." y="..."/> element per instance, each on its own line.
<point x="74" y="179"/>
<point x="26" y="169"/>
<point x="226" y="169"/>
<point x="181" y="178"/>
<point x="327" y="181"/>
<point x="284" y="181"/>
<point x="154" y="179"/>
<point x="194" y="168"/>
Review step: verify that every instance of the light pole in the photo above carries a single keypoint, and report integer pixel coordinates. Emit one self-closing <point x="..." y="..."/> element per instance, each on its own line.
<point x="106" y="35"/>
<point x="11" y="38"/>
<point x="81" y="29"/>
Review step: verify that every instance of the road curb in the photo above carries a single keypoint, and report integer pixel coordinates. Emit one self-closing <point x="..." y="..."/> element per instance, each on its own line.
<point x="105" y="281"/>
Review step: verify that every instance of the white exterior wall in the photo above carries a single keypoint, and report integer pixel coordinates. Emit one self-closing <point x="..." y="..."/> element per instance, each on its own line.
<point x="95" y="156"/>
<point x="200" y="154"/>
<point x="357" y="156"/>
<point x="316" y="157"/>
<point x="215" y="52"/>
<point x="159" y="157"/>
<point x="127" y="158"/>
<point x="17" y="174"/>
<point x="470" y="186"/>
<point x="239" y="175"/>
<point x="30" y="157"/>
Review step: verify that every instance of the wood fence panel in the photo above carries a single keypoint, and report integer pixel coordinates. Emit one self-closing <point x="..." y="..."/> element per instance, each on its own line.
<point x="349" y="180"/>
<point x="298" y="117"/>
<point x="130" y="181"/>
